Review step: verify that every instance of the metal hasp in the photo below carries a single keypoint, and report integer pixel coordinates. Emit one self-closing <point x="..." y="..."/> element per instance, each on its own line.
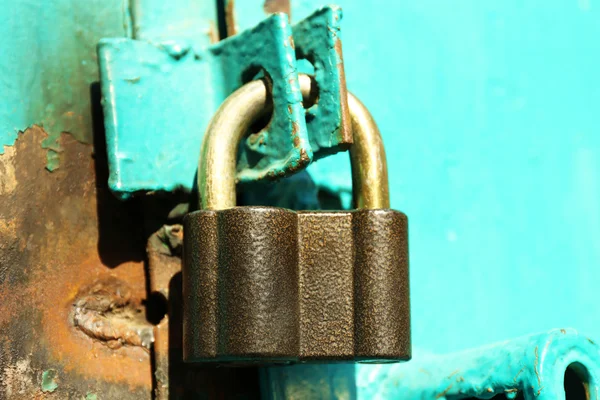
<point x="159" y="94"/>
<point x="557" y="365"/>
<point x="270" y="285"/>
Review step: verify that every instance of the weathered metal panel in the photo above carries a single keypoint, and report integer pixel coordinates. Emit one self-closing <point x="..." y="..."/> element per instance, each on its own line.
<point x="48" y="64"/>
<point x="70" y="271"/>
<point x="155" y="86"/>
<point x="550" y="366"/>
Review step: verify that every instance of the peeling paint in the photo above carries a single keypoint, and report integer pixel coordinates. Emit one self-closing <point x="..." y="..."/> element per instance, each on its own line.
<point x="50" y="249"/>
<point x="511" y="368"/>
<point x="133" y="69"/>
<point x="46" y="80"/>
<point x="8" y="183"/>
<point x="49" y="381"/>
<point x="164" y="166"/>
<point x="52" y="145"/>
<point x="317" y="41"/>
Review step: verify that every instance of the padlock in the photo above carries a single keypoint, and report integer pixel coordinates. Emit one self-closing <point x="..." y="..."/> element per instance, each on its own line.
<point x="270" y="285"/>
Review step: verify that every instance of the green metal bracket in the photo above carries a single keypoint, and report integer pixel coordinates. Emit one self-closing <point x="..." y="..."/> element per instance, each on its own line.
<point x="159" y="98"/>
<point x="268" y="48"/>
<point x="318" y="40"/>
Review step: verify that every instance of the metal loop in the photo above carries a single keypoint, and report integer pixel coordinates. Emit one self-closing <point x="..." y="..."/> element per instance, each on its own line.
<point x="217" y="164"/>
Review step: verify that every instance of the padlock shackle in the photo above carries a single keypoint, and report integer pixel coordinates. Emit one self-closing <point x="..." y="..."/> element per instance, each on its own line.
<point x="367" y="158"/>
<point x="231" y="122"/>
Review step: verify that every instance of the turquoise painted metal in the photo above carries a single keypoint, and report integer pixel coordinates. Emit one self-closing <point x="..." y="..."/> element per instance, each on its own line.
<point x="145" y="79"/>
<point x="160" y="95"/>
<point x="318" y="40"/>
<point x="46" y="74"/>
<point x="158" y="21"/>
<point x="557" y="365"/>
<point x="551" y="366"/>
<point x="488" y="111"/>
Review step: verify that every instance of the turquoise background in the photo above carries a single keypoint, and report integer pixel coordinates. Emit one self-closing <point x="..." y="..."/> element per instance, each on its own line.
<point x="489" y="113"/>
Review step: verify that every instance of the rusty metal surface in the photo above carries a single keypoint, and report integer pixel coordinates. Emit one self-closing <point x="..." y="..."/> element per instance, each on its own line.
<point x="68" y="249"/>
<point x="74" y="293"/>
<point x="329" y="115"/>
<point x="106" y="311"/>
<point x="264" y="284"/>
<point x="175" y="379"/>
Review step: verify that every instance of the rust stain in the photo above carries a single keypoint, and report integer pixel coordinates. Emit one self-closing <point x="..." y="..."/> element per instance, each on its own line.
<point x="55" y="225"/>
<point x="295" y="128"/>
<point x="440" y="395"/>
<point x="163" y="249"/>
<point x="276" y="6"/>
<point x="10" y="240"/>
<point x="519" y="373"/>
<point x="304" y="157"/>
<point x="453" y="373"/>
<point x="106" y="311"/>
<point x="345" y="130"/>
<point x="535" y="366"/>
<point x="213" y="32"/>
<point x="17" y="379"/>
<point x="230" y="18"/>
<point x="74" y="349"/>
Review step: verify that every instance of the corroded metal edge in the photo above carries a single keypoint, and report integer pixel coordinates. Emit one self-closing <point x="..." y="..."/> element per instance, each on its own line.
<point x="317" y="39"/>
<point x="131" y="68"/>
<point x="217" y="177"/>
<point x="540" y="366"/>
<point x="62" y="234"/>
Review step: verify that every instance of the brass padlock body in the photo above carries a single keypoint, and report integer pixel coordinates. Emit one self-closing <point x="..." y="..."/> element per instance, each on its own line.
<point x="275" y="285"/>
<point x="270" y="285"/>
